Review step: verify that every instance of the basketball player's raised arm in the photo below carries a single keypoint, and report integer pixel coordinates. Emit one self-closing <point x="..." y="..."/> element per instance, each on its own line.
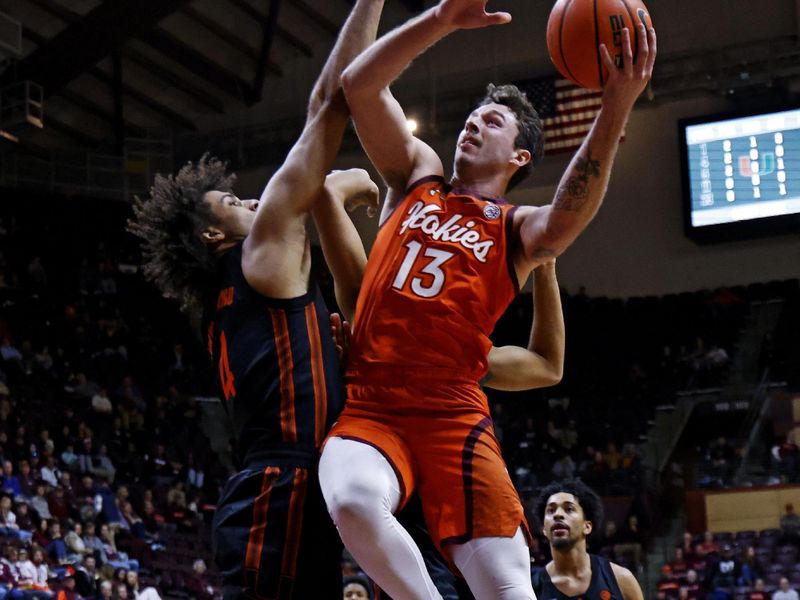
<point x="512" y="368"/>
<point x="546" y="232"/>
<point x="275" y="249"/>
<point x="341" y="244"/>
<point x="380" y="121"/>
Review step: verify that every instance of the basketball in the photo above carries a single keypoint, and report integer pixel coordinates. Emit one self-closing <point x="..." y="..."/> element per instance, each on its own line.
<point x="576" y="28"/>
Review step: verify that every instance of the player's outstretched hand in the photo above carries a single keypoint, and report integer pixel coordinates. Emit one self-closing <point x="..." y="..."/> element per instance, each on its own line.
<point x="340" y="330"/>
<point x="355" y="188"/>
<point x="469" y="14"/>
<point x="626" y="84"/>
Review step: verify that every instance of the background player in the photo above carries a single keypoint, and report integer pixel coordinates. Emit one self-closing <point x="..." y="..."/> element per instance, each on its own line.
<point x="248" y="263"/>
<point x="570" y="510"/>
<point x="448" y="260"/>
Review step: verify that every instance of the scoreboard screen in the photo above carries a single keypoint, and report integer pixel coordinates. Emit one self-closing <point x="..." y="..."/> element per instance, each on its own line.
<point x="740" y="171"/>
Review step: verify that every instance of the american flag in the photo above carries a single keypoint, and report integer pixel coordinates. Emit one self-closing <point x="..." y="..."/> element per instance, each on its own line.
<point x="567" y="111"/>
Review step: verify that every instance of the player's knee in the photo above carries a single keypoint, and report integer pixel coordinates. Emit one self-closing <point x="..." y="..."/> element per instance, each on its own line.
<point x="356" y="499"/>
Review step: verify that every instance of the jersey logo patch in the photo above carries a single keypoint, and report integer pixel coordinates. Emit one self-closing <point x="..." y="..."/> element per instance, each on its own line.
<point x="491" y="211"/>
<point x="605" y="595"/>
<point x="423" y="217"/>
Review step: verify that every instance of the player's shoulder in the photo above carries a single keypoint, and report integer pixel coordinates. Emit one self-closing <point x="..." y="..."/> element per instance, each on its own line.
<point x="626" y="581"/>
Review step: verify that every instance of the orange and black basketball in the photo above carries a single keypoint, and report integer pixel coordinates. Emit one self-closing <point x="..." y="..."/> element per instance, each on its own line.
<point x="576" y="28"/>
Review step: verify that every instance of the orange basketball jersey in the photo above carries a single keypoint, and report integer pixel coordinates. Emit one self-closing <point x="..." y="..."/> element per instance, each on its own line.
<point x="439" y="277"/>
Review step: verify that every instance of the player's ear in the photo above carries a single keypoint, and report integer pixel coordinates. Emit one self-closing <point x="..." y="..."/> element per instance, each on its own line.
<point x="521" y="157"/>
<point x="587" y="527"/>
<point x="213" y="235"/>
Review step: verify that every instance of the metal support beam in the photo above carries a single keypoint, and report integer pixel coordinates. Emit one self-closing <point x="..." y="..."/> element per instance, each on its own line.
<point x="312" y="14"/>
<point x="116" y="94"/>
<point x="282" y="33"/>
<point x="198" y="63"/>
<point x="145" y="100"/>
<point x="206" y="97"/>
<point x="266" y="44"/>
<point x="169" y="77"/>
<point x="97" y="111"/>
<point x="104" y="29"/>
<point x="79" y="136"/>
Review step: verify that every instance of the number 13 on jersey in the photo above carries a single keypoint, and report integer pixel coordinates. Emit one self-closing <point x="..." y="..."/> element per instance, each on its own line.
<point x="431" y="267"/>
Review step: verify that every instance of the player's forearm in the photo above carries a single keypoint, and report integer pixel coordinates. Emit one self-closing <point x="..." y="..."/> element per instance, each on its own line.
<point x="358" y="32"/>
<point x="341" y="245"/>
<point x="547" y="334"/>
<point x="385" y="60"/>
<point x="581" y="190"/>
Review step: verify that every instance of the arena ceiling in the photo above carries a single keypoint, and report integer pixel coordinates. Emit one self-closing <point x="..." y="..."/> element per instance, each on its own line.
<point x="112" y="70"/>
<point x="120" y="68"/>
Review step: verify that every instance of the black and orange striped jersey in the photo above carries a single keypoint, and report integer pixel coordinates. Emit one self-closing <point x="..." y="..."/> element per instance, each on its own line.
<point x="276" y="363"/>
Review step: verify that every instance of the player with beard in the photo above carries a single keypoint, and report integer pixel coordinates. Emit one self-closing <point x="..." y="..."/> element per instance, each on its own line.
<point x="570" y="510"/>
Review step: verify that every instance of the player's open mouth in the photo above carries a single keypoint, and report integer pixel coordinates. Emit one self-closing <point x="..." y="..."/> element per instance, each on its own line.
<point x="559" y="529"/>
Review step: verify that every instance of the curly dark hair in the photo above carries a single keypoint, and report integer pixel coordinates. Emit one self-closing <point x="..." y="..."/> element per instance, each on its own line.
<point x="170" y="225"/>
<point x="531" y="133"/>
<point x="590" y="502"/>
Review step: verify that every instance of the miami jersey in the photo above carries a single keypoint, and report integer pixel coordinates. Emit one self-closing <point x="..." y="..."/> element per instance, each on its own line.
<point x="277" y="364"/>
<point x="438" y="278"/>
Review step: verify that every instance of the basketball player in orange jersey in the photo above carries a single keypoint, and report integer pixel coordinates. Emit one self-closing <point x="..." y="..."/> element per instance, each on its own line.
<point x="448" y="260"/>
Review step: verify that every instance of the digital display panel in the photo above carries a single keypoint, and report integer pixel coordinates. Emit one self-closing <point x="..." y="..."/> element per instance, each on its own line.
<point x="740" y="170"/>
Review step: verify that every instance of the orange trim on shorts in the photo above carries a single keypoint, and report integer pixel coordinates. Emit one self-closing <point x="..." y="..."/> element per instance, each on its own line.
<point x="317" y="374"/>
<point x="294" y="527"/>
<point x="255" y="541"/>
<point x="283" y="344"/>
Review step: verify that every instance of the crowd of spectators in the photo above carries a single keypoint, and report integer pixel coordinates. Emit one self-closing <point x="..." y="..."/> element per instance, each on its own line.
<point x="108" y="481"/>
<point x="743" y="566"/>
<point x="105" y="467"/>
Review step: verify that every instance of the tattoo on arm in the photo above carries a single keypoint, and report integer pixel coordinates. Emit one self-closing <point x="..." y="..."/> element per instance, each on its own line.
<point x="573" y="194"/>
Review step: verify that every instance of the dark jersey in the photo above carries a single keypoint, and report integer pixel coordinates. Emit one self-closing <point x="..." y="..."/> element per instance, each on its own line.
<point x="603" y="585"/>
<point x="276" y="364"/>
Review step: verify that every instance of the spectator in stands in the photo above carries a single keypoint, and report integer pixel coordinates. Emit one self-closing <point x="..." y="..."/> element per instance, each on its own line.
<point x="136" y="591"/>
<point x="693" y="587"/>
<point x="790" y="526"/>
<point x="106" y="590"/>
<point x="688" y="548"/>
<point x="758" y="592"/>
<point x="564" y="467"/>
<point x="678" y="564"/>
<point x="707" y="546"/>
<point x="10" y="481"/>
<point x="94" y="543"/>
<point x="27" y="481"/>
<point x="723" y="575"/>
<point x="42" y="576"/>
<point x="75" y="545"/>
<point x="68" y="591"/>
<point x="356" y="588"/>
<point x="197" y="583"/>
<point x="58" y="503"/>
<point x="785" y="592"/>
<point x="750" y="569"/>
<point x="50" y="472"/>
<point x="57" y="550"/>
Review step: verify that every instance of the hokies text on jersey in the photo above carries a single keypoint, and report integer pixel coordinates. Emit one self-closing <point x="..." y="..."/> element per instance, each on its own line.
<point x="424" y="217"/>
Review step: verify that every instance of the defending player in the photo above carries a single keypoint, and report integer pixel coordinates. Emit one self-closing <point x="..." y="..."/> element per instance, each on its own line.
<point x="247" y="263"/>
<point x="570" y="510"/>
<point x="448" y="260"/>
